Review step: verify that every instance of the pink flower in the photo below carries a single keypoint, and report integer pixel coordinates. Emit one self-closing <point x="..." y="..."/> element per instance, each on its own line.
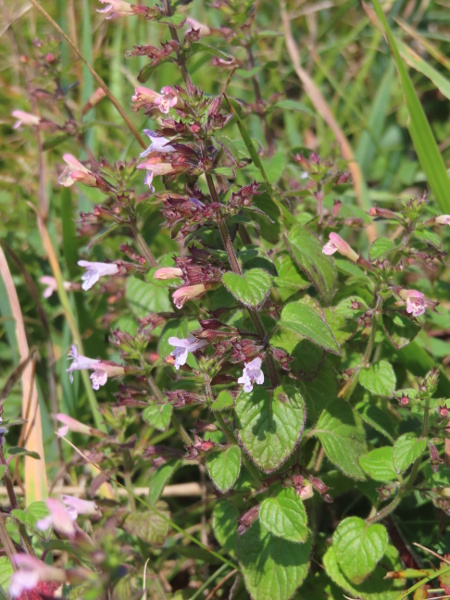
<point x="24" y="118"/>
<point x="143" y="96"/>
<point x="70" y="424"/>
<point x="167" y="273"/>
<point x="203" y="30"/>
<point x="415" y="302"/>
<point x="252" y="374"/>
<point x="442" y="220"/>
<point x="59" y="518"/>
<point x="76" y="171"/>
<point x="167" y="100"/>
<point x="95" y="270"/>
<point x="52" y="286"/>
<point x="158" y="144"/>
<point x="76" y="506"/>
<point x="187" y="292"/>
<point x="337" y="244"/>
<point x="116" y="8"/>
<point x="183" y="347"/>
<point x="102" y="369"/>
<point x="155" y="166"/>
<point x="31" y="572"/>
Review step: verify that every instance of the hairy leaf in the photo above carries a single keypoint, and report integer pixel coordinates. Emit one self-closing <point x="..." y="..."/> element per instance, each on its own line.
<point x="284" y="515"/>
<point x="379" y="379"/>
<point x="407" y="449"/>
<point x="251" y="289"/>
<point x="224" y="466"/>
<point x="305" y="321"/>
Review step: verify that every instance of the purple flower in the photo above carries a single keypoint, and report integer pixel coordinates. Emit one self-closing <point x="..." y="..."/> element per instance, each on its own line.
<point x="102" y="369"/>
<point x="252" y="374"/>
<point x="95" y="270"/>
<point x="158" y="144"/>
<point x="183" y="347"/>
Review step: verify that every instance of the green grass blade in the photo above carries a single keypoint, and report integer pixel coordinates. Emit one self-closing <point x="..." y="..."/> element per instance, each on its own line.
<point x="419" y="128"/>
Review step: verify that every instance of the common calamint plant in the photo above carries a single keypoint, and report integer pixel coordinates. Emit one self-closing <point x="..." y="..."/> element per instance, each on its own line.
<point x="275" y="357"/>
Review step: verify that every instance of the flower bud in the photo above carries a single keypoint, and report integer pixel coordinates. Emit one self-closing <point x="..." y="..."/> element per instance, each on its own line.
<point x="24" y="118"/>
<point x="187" y="292"/>
<point x="167" y="273"/>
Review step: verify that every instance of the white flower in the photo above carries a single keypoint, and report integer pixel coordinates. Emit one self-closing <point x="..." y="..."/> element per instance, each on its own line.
<point x="116" y="8"/>
<point x="102" y="369"/>
<point x="95" y="270"/>
<point x="77" y="506"/>
<point x="252" y="374"/>
<point x="442" y="220"/>
<point x="158" y="144"/>
<point x="183" y="347"/>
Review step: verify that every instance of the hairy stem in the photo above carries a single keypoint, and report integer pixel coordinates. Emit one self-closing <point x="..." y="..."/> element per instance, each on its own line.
<point x="143" y="246"/>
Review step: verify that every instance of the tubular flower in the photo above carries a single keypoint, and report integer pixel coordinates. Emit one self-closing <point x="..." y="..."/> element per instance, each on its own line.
<point x="77" y="506"/>
<point x="183" y="347"/>
<point x="24" y="118"/>
<point x="158" y="144"/>
<point x="102" y="369"/>
<point x="155" y="166"/>
<point x="337" y="244"/>
<point x="167" y="99"/>
<point x="252" y="374"/>
<point x="76" y="171"/>
<point x="168" y="273"/>
<point x="70" y="424"/>
<point x="116" y="8"/>
<point x="52" y="286"/>
<point x="59" y="518"/>
<point x="442" y="220"/>
<point x="143" y="96"/>
<point x="95" y="270"/>
<point x="31" y="572"/>
<point x="187" y="292"/>
<point x="415" y="302"/>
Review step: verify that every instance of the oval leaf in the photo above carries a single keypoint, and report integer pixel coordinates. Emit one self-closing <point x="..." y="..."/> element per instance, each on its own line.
<point x="305" y="321"/>
<point x="270" y="425"/>
<point x="284" y="515"/>
<point x="251" y="289"/>
<point x="359" y="547"/>
<point x="223" y="467"/>
<point x="158" y="415"/>
<point x="407" y="449"/>
<point x="341" y="433"/>
<point x="380" y="247"/>
<point x="306" y="250"/>
<point x="378" y="464"/>
<point x="379" y="379"/>
<point x="273" y="568"/>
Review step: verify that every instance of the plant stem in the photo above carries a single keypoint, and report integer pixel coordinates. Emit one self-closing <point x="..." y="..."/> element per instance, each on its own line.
<point x="143" y="246"/>
<point x="180" y="59"/>
<point x="259" y="100"/>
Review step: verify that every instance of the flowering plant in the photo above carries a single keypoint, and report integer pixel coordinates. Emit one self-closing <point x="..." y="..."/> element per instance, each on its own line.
<point x="256" y="358"/>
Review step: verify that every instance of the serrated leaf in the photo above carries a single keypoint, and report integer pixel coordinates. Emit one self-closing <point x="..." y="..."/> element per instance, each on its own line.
<point x="306" y="250"/>
<point x="251" y="288"/>
<point x="225" y="525"/>
<point x="270" y="424"/>
<point x="380" y="247"/>
<point x="319" y="391"/>
<point x="288" y="275"/>
<point x="306" y="322"/>
<point x="159" y="479"/>
<point x="341" y="433"/>
<point x="379" y="379"/>
<point x="223" y="401"/>
<point x="158" y="415"/>
<point x="6" y="570"/>
<point x="149" y="526"/>
<point x="378" y="464"/>
<point x="273" y="568"/>
<point x="224" y="467"/>
<point x="375" y="587"/>
<point x="145" y="298"/>
<point x="359" y="547"/>
<point x="284" y="515"/>
<point x="400" y="329"/>
<point x="407" y="449"/>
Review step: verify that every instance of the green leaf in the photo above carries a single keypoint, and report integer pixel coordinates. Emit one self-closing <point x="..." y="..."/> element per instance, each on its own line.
<point x="273" y="568"/>
<point x="419" y="128"/>
<point x="176" y="20"/>
<point x="16" y="450"/>
<point x="160" y="478"/>
<point x="400" y="329"/>
<point x="294" y="105"/>
<point x="319" y="391"/>
<point x="149" y="526"/>
<point x="380" y="247"/>
<point x="251" y="289"/>
<point x="379" y="379"/>
<point x="225" y="524"/>
<point x="223" y="401"/>
<point x="6" y="570"/>
<point x="341" y="433"/>
<point x="158" y="415"/>
<point x="375" y="587"/>
<point x="224" y="466"/>
<point x="288" y="275"/>
<point x="306" y="322"/>
<point x="270" y="424"/>
<point x="284" y="515"/>
<point x="273" y="167"/>
<point x="407" y="449"/>
<point x="306" y="250"/>
<point x="378" y="464"/>
<point x="145" y="298"/>
<point x="359" y="547"/>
